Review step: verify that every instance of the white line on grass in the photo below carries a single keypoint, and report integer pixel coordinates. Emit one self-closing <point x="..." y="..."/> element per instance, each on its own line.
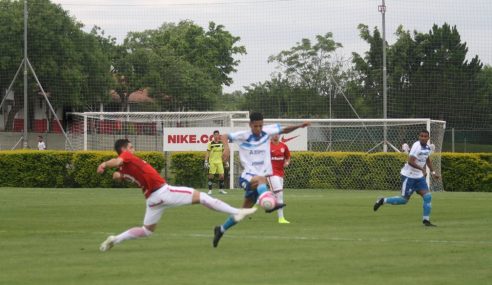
<point x="346" y="239"/>
<point x="270" y="237"/>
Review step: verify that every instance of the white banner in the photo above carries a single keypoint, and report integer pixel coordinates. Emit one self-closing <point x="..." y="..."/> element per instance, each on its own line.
<point x="196" y="139"/>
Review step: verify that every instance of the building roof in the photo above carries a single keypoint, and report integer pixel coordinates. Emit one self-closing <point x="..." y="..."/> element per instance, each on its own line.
<point x="139" y="96"/>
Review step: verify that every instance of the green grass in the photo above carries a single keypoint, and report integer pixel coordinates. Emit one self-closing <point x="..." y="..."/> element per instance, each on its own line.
<point x="52" y="237"/>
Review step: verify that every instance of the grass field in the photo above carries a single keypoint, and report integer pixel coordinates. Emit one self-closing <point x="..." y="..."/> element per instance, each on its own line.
<point x="52" y="237"/>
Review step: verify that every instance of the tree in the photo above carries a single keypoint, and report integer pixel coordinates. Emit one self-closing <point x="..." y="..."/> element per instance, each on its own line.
<point x="316" y="69"/>
<point x="484" y="102"/>
<point x="182" y="65"/>
<point x="70" y="63"/>
<point x="429" y="75"/>
<point x="369" y="79"/>
<point x="278" y="98"/>
<point x="444" y="84"/>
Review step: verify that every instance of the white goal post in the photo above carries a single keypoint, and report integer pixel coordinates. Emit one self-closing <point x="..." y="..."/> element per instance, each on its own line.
<point x="99" y="130"/>
<point x="359" y="135"/>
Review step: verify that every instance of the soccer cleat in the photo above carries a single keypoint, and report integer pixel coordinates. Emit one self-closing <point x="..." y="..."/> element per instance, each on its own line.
<point x="278" y="206"/>
<point x="209" y="192"/>
<point x="222" y="191"/>
<point x="217" y="236"/>
<point x="378" y="204"/>
<point x="427" y="223"/>
<point x="242" y="213"/>
<point x="107" y="244"/>
<point x="283" y="221"/>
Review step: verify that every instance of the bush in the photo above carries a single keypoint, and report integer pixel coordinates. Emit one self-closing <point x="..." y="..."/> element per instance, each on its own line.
<point x="56" y="169"/>
<point x="296" y="174"/>
<point x="460" y="172"/>
<point x="466" y="172"/>
<point x="85" y="163"/>
<point x="187" y="169"/>
<point x="27" y="168"/>
<point x="354" y="172"/>
<point x="324" y="171"/>
<point x="384" y="169"/>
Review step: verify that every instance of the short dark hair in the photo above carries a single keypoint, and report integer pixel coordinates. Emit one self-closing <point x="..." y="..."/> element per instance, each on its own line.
<point x="255" y="116"/>
<point x="216" y="132"/>
<point x="424" y="131"/>
<point x="119" y="144"/>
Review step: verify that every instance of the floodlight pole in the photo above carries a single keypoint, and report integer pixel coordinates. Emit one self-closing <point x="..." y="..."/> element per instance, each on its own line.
<point x="24" y="137"/>
<point x="382" y="9"/>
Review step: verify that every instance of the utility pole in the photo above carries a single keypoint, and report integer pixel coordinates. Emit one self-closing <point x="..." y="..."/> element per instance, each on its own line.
<point x="25" y="142"/>
<point x="382" y="9"/>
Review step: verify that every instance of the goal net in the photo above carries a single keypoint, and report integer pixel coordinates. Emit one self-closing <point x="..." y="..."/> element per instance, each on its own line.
<point x="99" y="130"/>
<point x="359" y="137"/>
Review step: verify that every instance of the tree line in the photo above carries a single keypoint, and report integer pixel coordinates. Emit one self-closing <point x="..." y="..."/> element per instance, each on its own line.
<point x="184" y="67"/>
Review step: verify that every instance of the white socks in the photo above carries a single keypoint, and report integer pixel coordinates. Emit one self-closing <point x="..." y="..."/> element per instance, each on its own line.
<point x="280" y="200"/>
<point x="216" y="204"/>
<point x="133" y="233"/>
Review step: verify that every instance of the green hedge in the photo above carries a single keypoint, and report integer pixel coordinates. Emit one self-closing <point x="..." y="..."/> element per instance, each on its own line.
<point x="343" y="170"/>
<point x="460" y="172"/>
<point x="187" y="169"/>
<point x="55" y="169"/>
<point x="35" y="168"/>
<point x="470" y="172"/>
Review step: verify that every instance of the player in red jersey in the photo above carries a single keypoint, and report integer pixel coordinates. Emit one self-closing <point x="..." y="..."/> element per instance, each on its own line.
<point x="280" y="155"/>
<point x="159" y="194"/>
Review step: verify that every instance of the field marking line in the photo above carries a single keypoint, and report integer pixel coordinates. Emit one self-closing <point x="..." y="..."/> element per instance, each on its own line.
<point x="273" y="237"/>
<point x="348" y="239"/>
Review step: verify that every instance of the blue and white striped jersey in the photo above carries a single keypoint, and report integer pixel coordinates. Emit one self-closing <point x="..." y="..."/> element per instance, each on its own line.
<point x="254" y="151"/>
<point x="421" y="152"/>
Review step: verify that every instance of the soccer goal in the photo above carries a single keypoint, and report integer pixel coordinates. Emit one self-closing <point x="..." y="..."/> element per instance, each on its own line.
<point x="365" y="139"/>
<point x="99" y="130"/>
<point x="359" y="137"/>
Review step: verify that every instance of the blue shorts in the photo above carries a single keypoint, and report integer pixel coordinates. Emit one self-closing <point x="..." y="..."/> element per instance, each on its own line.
<point x="244" y="182"/>
<point x="410" y="185"/>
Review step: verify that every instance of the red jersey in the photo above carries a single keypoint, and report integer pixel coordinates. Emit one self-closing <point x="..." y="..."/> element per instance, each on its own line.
<point x="279" y="153"/>
<point x="141" y="173"/>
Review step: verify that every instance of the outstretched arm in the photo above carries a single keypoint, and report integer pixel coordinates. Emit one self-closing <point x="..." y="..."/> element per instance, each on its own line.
<point x="227" y="152"/>
<point x="112" y="163"/>
<point x="289" y="129"/>
<point x="205" y="163"/>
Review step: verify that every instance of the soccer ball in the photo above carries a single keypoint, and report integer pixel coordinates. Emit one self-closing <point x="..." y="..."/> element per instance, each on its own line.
<point x="267" y="201"/>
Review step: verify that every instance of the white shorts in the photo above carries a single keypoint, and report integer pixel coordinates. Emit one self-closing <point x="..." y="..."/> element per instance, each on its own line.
<point x="276" y="183"/>
<point x="166" y="197"/>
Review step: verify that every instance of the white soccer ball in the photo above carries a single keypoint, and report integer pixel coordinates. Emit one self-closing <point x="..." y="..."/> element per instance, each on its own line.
<point x="267" y="201"/>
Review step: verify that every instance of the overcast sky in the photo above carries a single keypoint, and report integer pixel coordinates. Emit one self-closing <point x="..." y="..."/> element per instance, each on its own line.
<point x="268" y="26"/>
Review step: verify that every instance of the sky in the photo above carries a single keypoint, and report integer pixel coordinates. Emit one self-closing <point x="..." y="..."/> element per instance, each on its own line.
<point x="267" y="27"/>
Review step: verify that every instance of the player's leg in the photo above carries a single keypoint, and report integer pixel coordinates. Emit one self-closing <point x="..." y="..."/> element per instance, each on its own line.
<point x="250" y="197"/>
<point x="230" y="222"/>
<point x="211" y="174"/>
<point x="153" y="213"/>
<point x="260" y="184"/>
<point x="220" y="206"/>
<point x="426" y="201"/>
<point x="176" y="196"/>
<point x="220" y="171"/>
<point x="277" y="185"/>
<point x="406" y="192"/>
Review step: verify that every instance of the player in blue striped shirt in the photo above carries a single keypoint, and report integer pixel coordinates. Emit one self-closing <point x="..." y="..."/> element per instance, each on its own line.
<point x="413" y="177"/>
